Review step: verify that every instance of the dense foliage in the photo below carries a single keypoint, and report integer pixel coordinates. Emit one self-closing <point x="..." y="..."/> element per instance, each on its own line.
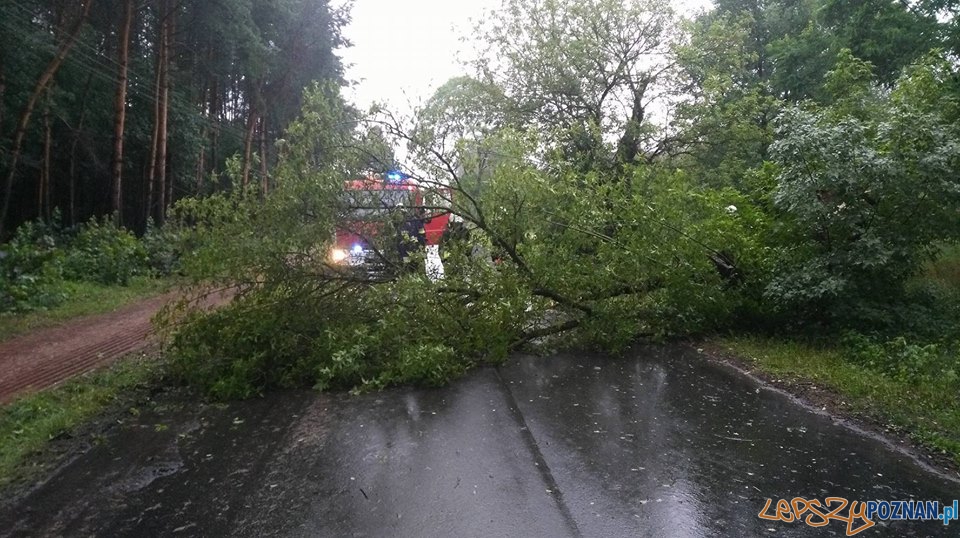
<point x="615" y="172"/>
<point x="150" y="99"/>
<point x="32" y="270"/>
<point x="867" y="185"/>
<point x="41" y="260"/>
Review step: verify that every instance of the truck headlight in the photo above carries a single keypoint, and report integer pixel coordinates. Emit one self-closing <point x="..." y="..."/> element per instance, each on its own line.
<point x="338" y="255"/>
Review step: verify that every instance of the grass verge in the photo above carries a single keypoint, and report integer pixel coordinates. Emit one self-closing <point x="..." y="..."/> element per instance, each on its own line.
<point x="30" y="425"/>
<point x="85" y="298"/>
<point x="929" y="413"/>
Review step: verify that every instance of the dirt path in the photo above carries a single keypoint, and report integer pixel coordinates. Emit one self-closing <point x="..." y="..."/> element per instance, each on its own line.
<point x="45" y="357"/>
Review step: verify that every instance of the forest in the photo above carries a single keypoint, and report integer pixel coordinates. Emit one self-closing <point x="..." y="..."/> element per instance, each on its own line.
<point x="123" y="107"/>
<point x="766" y="169"/>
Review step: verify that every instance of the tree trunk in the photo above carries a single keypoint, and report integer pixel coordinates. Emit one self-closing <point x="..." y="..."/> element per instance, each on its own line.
<point x="216" y="113"/>
<point x="16" y="149"/>
<point x="168" y="181"/>
<point x="629" y="145"/>
<point x="264" y="175"/>
<point x="155" y="138"/>
<point x="201" y="162"/>
<point x="168" y="82"/>
<point x="72" y="210"/>
<point x="160" y="165"/>
<point x="120" y="110"/>
<point x="43" y="204"/>
<point x="73" y="150"/>
<point x="3" y="90"/>
<point x="248" y="144"/>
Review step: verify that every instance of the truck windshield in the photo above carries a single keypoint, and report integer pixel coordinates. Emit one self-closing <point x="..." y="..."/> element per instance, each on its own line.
<point x="366" y="203"/>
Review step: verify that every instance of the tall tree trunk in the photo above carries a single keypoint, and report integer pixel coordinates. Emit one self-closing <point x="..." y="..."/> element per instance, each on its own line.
<point x="264" y="176"/>
<point x="120" y="110"/>
<point x="3" y="90"/>
<point x="49" y="72"/>
<point x="72" y="210"/>
<point x="201" y="162"/>
<point x="73" y="150"/>
<point x="155" y="138"/>
<point x="216" y="113"/>
<point x="43" y="204"/>
<point x="168" y="182"/>
<point x="168" y="82"/>
<point x="628" y="147"/>
<point x="204" y="134"/>
<point x="248" y="143"/>
<point x="160" y="165"/>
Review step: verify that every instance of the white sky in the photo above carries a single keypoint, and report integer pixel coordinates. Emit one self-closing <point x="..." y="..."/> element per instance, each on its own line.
<point x="404" y="49"/>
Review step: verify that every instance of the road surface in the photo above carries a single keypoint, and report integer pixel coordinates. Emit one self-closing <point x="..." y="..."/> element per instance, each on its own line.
<point x="658" y="443"/>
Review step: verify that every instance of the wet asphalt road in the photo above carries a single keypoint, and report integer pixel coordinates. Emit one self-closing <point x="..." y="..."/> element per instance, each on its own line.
<point x="658" y="443"/>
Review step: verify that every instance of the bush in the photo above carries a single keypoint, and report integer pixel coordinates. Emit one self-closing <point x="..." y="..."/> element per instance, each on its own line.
<point x="105" y="253"/>
<point x="906" y="361"/>
<point x="31" y="269"/>
<point x="163" y="246"/>
<point x="42" y="258"/>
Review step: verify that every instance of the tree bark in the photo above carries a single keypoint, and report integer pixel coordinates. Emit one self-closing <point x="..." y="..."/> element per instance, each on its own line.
<point x="168" y="82"/>
<point x="43" y="202"/>
<point x="168" y="182"/>
<point x="120" y="110"/>
<point x="155" y="138"/>
<point x="216" y="113"/>
<point x="3" y="90"/>
<point x="160" y="165"/>
<point x="264" y="172"/>
<point x="46" y="77"/>
<point x="248" y="143"/>
<point x="73" y="150"/>
<point x="201" y="162"/>
<point x="629" y="145"/>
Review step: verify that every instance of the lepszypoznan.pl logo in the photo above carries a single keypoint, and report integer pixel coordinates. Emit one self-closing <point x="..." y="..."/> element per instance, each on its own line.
<point x="858" y="516"/>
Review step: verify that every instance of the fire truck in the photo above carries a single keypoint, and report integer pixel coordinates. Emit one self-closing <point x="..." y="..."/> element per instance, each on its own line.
<point x="386" y="216"/>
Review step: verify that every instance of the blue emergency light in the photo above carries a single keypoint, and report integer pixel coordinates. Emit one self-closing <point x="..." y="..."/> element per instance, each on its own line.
<point x="394" y="176"/>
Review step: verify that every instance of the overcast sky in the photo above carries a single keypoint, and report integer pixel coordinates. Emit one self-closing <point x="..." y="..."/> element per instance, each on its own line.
<point x="404" y="49"/>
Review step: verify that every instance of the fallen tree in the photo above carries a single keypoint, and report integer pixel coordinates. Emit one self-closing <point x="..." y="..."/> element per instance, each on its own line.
<point x="580" y="260"/>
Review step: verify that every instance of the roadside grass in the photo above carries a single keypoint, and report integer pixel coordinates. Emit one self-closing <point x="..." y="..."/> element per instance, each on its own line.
<point x="85" y="298"/>
<point x="29" y="425"/>
<point x="929" y="413"/>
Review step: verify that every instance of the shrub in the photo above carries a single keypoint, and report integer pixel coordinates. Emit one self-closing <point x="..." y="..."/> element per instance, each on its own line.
<point x="105" y="253"/>
<point x="163" y="246"/>
<point x="31" y="271"/>
<point x="906" y="361"/>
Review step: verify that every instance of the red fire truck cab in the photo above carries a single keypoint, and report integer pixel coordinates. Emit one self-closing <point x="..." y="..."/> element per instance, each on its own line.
<point x="377" y="202"/>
